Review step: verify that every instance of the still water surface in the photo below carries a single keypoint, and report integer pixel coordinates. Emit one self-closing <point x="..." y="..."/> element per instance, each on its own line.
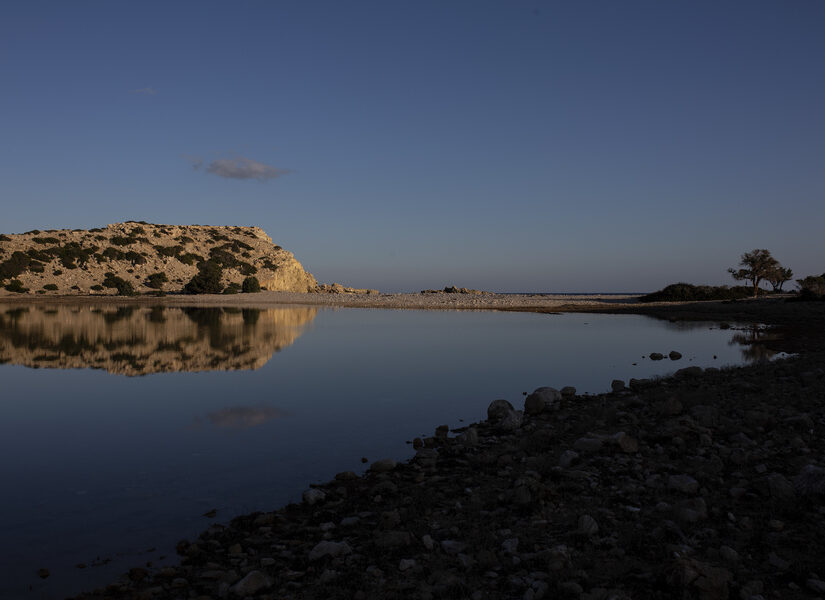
<point x="121" y="426"/>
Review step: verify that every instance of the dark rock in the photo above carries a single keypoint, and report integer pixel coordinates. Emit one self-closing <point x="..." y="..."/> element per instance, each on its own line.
<point x="498" y="409"/>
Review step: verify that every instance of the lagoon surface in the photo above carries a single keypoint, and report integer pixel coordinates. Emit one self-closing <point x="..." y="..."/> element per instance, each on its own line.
<point x="122" y="426"/>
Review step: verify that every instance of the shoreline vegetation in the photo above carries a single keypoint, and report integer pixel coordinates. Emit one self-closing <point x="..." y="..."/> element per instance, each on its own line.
<point x="706" y="484"/>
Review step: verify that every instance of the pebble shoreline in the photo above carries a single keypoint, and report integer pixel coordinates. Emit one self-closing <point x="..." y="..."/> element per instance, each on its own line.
<point x="708" y="484"/>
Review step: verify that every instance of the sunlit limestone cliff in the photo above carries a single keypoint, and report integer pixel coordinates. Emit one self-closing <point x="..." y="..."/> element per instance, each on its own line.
<point x="131" y="340"/>
<point x="148" y="257"/>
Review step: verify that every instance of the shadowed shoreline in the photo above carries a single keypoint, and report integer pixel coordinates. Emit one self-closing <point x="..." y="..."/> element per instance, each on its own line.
<point x="704" y="484"/>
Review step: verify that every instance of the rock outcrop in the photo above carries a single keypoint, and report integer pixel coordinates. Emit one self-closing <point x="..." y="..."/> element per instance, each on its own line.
<point x="337" y="288"/>
<point x="149" y="257"/>
<point x="451" y="289"/>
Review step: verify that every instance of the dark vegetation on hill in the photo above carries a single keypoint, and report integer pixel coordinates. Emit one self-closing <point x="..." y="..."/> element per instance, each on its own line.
<point x="685" y="292"/>
<point x="812" y="287"/>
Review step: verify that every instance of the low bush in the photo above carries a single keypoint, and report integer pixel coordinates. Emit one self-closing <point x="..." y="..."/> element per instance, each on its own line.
<point x="169" y="251"/>
<point x="223" y="258"/>
<point x="135" y="258"/>
<point x="156" y="281"/>
<point x="72" y="254"/>
<point x="119" y="240"/>
<point x="686" y="292"/>
<point x="97" y="287"/>
<point x="232" y="288"/>
<point x="15" y="265"/>
<point x="251" y="285"/>
<point x="207" y="280"/>
<point x="812" y="287"/>
<point x="190" y="259"/>
<point x="247" y="269"/>
<point x="15" y="285"/>
<point x="123" y="287"/>
<point x="113" y="253"/>
<point x="40" y="255"/>
<point x="50" y="286"/>
<point x="4" y="238"/>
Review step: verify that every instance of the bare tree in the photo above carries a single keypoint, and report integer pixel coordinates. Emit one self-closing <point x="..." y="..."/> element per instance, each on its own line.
<point x="757" y="265"/>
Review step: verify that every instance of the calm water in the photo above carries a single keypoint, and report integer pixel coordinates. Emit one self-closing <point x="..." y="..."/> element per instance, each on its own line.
<point x="121" y="427"/>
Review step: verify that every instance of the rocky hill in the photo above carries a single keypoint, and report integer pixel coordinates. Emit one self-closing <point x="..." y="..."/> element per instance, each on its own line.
<point x="143" y="258"/>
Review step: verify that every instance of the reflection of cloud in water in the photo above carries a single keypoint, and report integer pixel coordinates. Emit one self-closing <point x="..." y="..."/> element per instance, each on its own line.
<point x="244" y="417"/>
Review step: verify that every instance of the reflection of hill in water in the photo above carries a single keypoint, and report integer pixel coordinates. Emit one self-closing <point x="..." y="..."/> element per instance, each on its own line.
<point x="142" y="340"/>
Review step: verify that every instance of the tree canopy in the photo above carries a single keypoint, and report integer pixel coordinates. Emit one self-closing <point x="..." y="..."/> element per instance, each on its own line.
<point x="756" y="266"/>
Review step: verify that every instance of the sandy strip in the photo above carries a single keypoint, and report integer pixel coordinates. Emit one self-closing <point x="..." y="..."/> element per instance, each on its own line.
<point x="528" y="302"/>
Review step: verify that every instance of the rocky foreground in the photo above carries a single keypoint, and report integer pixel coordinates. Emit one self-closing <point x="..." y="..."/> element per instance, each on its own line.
<point x="709" y="484"/>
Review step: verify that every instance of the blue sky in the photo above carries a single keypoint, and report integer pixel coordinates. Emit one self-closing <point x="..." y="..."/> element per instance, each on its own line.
<point x="541" y="146"/>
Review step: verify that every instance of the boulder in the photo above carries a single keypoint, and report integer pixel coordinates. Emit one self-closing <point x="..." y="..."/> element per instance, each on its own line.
<point x="511" y="421"/>
<point x="253" y="582"/>
<point x="542" y="399"/>
<point x="327" y="548"/>
<point x="810" y="482"/>
<point x="498" y="409"/>
<point x="383" y="466"/>
<point x="313" y="496"/>
<point x="568" y="391"/>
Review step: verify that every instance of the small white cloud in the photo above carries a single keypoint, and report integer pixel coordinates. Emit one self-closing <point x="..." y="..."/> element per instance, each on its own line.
<point x="147" y="91"/>
<point x="244" y="168"/>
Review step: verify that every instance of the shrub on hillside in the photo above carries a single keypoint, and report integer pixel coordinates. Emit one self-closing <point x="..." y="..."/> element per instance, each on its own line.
<point x="123" y="287"/>
<point x="156" y="281"/>
<point x="135" y="258"/>
<point x="190" y="259"/>
<point x="15" y="285"/>
<point x="686" y="292"/>
<point x="46" y="240"/>
<point x="51" y="287"/>
<point x="113" y="253"/>
<point x="207" y="280"/>
<point x="232" y="288"/>
<point x="247" y="269"/>
<point x="4" y="238"/>
<point x="251" y="285"/>
<point x="72" y="254"/>
<point x="16" y="264"/>
<point x="119" y="240"/>
<point x="168" y="251"/>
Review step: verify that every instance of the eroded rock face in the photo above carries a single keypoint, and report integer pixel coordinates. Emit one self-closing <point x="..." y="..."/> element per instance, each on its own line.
<point x="76" y="261"/>
<point x="160" y="339"/>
